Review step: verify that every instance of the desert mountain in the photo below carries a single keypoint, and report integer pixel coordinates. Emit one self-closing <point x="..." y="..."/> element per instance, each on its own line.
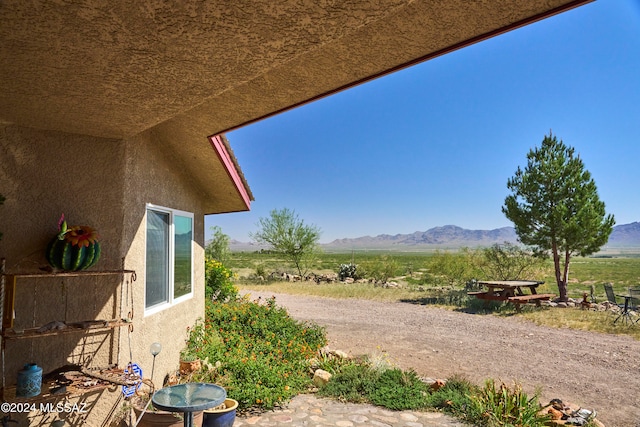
<point x="445" y="236"/>
<point x="450" y="236"/>
<point x="625" y="235"/>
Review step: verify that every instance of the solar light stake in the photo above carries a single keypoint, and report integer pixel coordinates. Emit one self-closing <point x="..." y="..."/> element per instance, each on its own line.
<point x="155" y="349"/>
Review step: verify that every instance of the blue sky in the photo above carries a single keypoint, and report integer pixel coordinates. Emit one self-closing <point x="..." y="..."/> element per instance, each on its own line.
<point x="434" y="144"/>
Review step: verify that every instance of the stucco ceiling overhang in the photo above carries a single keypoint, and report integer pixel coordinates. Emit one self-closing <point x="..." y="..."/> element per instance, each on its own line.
<point x="198" y="68"/>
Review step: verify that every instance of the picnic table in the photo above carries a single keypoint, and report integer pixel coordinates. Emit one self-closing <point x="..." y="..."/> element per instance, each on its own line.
<point x="516" y="292"/>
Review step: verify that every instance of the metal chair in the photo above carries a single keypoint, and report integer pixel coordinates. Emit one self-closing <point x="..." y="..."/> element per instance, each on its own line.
<point x="611" y="295"/>
<point x="635" y="300"/>
<point x="624" y="308"/>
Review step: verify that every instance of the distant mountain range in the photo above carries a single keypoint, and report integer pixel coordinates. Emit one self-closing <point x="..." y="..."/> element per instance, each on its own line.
<point x="625" y="235"/>
<point x="452" y="236"/>
<point x="445" y="236"/>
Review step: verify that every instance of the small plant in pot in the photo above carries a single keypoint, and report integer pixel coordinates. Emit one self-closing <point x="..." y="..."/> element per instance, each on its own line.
<point x="194" y="344"/>
<point x="189" y="361"/>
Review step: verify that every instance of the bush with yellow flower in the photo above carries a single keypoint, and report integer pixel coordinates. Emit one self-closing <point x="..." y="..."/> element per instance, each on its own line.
<point x="219" y="281"/>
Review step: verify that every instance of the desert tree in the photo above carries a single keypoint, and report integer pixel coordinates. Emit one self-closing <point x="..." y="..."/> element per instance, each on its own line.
<point x="218" y="246"/>
<point x="508" y="261"/>
<point x="555" y="207"/>
<point x="289" y="236"/>
<point x="457" y="269"/>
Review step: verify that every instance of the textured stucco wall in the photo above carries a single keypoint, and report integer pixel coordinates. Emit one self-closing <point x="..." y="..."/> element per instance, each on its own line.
<point x="117" y="68"/>
<point x="106" y="184"/>
<point x="45" y="174"/>
<point x="152" y="177"/>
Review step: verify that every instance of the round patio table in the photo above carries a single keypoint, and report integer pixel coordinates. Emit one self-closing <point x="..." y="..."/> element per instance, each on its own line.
<point x="188" y="398"/>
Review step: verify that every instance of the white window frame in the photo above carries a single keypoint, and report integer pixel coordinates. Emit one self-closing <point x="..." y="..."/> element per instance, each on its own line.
<point x="170" y="300"/>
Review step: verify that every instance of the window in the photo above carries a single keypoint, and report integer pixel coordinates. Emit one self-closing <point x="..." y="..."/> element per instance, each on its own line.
<point x="169" y="261"/>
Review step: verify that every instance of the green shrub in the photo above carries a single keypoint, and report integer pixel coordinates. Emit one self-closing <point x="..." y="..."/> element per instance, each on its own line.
<point x="351" y="383"/>
<point x="398" y="390"/>
<point x="218" y="246"/>
<point x="453" y="269"/>
<point x="382" y="269"/>
<point x="455" y="398"/>
<point x="261" y="271"/>
<point x="219" y="281"/>
<point x="390" y="388"/>
<point x="509" y="261"/>
<point x="262" y="359"/>
<point x="202" y="340"/>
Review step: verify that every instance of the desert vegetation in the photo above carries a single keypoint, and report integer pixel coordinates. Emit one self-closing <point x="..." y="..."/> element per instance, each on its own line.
<point x="425" y="271"/>
<point x="443" y="278"/>
<point x="264" y="357"/>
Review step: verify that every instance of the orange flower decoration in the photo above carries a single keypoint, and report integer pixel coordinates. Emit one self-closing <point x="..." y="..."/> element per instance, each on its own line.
<point x="81" y="235"/>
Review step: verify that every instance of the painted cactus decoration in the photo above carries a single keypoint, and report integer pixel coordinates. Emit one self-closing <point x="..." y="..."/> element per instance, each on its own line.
<point x="74" y="248"/>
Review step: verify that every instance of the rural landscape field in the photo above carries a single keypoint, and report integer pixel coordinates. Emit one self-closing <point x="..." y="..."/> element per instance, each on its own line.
<point x="439" y="277"/>
<point x="433" y="263"/>
<point x="417" y="302"/>
<point x="411" y="269"/>
<point x="423" y="320"/>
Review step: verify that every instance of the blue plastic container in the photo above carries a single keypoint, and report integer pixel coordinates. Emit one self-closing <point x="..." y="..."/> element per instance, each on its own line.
<point x="29" y="381"/>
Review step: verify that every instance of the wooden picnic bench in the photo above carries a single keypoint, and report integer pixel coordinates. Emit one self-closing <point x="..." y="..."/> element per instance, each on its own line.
<point x="512" y="291"/>
<point x="524" y="299"/>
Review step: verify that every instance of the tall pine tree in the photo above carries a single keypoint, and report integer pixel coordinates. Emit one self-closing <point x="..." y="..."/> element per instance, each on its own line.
<point x="555" y="207"/>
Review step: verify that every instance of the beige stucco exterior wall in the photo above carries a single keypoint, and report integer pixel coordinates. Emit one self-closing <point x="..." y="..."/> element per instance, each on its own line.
<point x="151" y="177"/>
<point x="45" y="174"/>
<point x="106" y="184"/>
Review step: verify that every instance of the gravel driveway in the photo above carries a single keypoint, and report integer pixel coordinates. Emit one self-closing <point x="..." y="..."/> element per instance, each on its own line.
<point x="592" y="370"/>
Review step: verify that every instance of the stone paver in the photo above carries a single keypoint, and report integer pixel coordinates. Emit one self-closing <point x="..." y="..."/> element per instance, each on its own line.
<point x="307" y="410"/>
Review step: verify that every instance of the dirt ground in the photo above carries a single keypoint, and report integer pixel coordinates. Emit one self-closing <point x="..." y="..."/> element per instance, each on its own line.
<point x="592" y="370"/>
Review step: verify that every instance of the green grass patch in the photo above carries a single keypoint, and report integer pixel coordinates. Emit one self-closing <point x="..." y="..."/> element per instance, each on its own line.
<point x="417" y="269"/>
<point x="350" y="383"/>
<point x="395" y="389"/>
<point x="501" y="405"/>
<point x="335" y="290"/>
<point x="586" y="320"/>
<point x="398" y="390"/>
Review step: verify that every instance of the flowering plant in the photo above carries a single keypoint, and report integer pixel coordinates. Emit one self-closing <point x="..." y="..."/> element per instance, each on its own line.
<point x="219" y="281"/>
<point x="195" y="340"/>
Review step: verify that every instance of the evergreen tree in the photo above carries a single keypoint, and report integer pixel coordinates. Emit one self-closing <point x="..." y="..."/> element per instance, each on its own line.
<point x="555" y="207"/>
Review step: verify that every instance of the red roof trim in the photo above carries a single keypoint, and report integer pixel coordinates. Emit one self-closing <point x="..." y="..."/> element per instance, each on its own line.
<point x="224" y="156"/>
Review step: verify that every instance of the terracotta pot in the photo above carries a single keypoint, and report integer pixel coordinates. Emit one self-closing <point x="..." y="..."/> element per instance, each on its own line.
<point x="188" y="367"/>
<point x="221" y="417"/>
